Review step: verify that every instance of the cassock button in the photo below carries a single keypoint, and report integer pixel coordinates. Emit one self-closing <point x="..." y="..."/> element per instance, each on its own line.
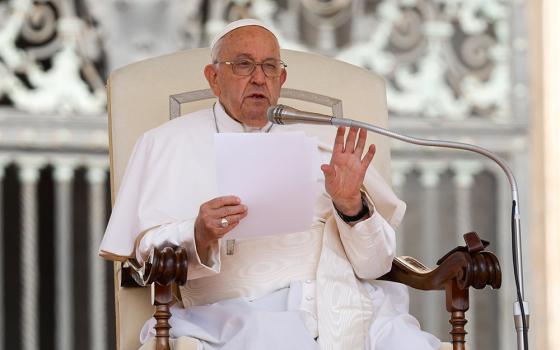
<point x="308" y="281"/>
<point x="309" y="298"/>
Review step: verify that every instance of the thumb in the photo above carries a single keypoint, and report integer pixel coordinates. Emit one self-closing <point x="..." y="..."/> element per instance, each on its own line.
<point x="328" y="170"/>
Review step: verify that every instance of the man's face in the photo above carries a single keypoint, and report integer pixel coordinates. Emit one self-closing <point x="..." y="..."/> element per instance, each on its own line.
<point x="246" y="98"/>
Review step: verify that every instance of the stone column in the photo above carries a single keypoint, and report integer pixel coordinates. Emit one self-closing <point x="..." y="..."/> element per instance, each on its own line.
<point x="29" y="175"/>
<point x="96" y="175"/>
<point x="63" y="178"/>
<point x="465" y="170"/>
<point x="2" y="253"/>
<point x="430" y="231"/>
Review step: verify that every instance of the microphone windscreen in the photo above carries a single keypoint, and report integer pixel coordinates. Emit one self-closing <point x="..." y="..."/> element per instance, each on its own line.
<point x="274" y="114"/>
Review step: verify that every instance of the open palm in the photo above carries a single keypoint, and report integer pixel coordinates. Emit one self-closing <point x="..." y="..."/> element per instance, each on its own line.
<point x="345" y="174"/>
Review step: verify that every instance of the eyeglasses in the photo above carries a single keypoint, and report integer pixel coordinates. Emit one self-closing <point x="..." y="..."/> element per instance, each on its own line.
<point x="272" y="68"/>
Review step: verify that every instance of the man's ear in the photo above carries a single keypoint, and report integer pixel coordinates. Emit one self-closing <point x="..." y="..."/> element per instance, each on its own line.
<point x="283" y="77"/>
<point x="212" y="77"/>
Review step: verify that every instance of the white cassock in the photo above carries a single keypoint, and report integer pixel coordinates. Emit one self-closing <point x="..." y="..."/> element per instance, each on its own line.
<point x="304" y="290"/>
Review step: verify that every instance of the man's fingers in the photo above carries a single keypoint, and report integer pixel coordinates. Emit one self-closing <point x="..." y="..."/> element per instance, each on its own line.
<point x="209" y="225"/>
<point x="351" y="140"/>
<point x="328" y="170"/>
<point x="368" y="157"/>
<point x="219" y="202"/>
<point x="232" y="219"/>
<point x="361" y="142"/>
<point x="339" y="140"/>
<point x="222" y="231"/>
<point x="230" y="210"/>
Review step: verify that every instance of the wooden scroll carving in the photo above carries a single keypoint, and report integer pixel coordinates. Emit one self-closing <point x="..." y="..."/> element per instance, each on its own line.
<point x="463" y="267"/>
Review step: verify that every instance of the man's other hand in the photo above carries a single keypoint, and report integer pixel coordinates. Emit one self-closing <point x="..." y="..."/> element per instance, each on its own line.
<point x="345" y="174"/>
<point x="208" y="226"/>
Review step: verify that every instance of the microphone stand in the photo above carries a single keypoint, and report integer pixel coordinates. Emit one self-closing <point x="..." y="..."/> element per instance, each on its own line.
<point x="520" y="306"/>
<point x="287" y="115"/>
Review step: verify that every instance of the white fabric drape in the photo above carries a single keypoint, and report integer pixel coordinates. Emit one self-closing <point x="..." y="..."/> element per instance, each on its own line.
<point x="172" y="171"/>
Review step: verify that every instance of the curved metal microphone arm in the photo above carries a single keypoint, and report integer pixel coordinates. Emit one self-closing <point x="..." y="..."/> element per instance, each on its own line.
<point x="425" y="142"/>
<point x="516" y="223"/>
<point x="281" y="114"/>
<point x="521" y="307"/>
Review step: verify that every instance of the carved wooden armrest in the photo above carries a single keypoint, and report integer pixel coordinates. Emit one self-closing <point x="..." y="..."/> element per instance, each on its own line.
<point x="463" y="267"/>
<point x="164" y="266"/>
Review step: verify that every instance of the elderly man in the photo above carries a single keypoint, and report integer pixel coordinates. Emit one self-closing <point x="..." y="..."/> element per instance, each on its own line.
<point x="312" y="288"/>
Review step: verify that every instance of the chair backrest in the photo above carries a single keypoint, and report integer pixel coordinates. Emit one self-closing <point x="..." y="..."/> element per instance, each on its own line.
<point x="146" y="94"/>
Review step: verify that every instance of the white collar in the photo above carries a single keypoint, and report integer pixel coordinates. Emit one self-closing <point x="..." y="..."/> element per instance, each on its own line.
<point x="225" y="123"/>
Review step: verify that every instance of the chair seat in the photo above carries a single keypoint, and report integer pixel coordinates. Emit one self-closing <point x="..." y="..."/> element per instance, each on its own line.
<point x="186" y="343"/>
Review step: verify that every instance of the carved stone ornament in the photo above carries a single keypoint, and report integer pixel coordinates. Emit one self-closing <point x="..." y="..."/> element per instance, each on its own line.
<point x="443" y="59"/>
<point x="47" y="59"/>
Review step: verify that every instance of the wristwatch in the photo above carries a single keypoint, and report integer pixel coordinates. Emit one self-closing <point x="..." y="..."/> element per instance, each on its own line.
<point x="350" y="219"/>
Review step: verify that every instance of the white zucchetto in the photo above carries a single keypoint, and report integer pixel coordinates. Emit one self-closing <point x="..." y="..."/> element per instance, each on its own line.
<point x="235" y="25"/>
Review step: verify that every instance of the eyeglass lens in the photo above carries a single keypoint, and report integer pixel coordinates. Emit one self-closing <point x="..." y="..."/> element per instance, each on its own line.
<point x="271" y="68"/>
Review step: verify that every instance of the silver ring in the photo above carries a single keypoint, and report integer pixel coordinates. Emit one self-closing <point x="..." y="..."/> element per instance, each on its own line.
<point x="224" y="222"/>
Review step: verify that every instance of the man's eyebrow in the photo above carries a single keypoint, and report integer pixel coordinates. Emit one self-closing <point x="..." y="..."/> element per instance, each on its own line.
<point x="248" y="56"/>
<point x="243" y="55"/>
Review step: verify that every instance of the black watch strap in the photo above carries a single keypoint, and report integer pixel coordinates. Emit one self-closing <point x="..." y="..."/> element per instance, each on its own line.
<point x="359" y="216"/>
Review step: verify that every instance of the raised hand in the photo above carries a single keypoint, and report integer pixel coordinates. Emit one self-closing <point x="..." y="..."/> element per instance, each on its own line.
<point x="215" y="219"/>
<point x="345" y="174"/>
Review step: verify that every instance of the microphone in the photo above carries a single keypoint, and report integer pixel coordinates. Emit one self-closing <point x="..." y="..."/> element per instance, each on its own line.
<point x="284" y="115"/>
<point x="281" y="114"/>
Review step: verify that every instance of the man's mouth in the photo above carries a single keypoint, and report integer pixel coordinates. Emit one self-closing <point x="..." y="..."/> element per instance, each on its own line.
<point x="257" y="96"/>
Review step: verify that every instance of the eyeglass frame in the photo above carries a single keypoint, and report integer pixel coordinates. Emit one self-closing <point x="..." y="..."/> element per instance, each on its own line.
<point x="255" y="64"/>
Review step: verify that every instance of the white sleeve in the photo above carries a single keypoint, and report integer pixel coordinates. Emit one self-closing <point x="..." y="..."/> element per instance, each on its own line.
<point x="181" y="233"/>
<point x="369" y="244"/>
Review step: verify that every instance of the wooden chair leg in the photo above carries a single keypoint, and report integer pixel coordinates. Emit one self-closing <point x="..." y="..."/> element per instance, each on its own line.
<point x="457" y="303"/>
<point x="458" y="332"/>
<point x="163" y="297"/>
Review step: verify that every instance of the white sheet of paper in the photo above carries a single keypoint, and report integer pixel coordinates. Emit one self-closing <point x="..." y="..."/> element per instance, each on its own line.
<point x="274" y="174"/>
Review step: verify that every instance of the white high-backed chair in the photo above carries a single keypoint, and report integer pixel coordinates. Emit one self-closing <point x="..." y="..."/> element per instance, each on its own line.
<point x="146" y="94"/>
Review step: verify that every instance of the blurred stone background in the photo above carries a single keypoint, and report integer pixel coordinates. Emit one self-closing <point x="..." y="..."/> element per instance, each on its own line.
<point x="455" y="69"/>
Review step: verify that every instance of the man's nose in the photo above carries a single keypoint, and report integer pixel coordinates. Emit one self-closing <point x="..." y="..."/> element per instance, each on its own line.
<point x="258" y="76"/>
